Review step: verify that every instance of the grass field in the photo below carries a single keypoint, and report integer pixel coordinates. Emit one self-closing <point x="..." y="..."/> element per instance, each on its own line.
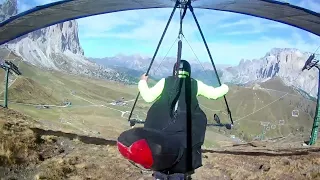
<point x="30" y="151"/>
<point x="92" y="113"/>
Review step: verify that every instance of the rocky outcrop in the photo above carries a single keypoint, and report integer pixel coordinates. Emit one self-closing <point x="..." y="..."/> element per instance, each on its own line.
<point x="279" y="62"/>
<point x="8" y="9"/>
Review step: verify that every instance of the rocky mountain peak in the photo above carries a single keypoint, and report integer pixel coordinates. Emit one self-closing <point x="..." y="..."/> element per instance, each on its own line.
<point x="42" y="47"/>
<point x="285" y="63"/>
<point x="57" y="47"/>
<point x="59" y="38"/>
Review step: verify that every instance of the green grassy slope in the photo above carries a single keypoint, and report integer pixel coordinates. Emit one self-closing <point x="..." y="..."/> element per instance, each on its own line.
<point x="250" y="106"/>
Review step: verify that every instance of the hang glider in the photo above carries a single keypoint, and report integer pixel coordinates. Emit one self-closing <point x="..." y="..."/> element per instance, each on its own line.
<point x="54" y="13"/>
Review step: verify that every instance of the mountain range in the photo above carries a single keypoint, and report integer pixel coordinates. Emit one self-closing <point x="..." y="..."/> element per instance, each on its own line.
<point x="54" y="141"/>
<point x="58" y="48"/>
<point x="278" y="62"/>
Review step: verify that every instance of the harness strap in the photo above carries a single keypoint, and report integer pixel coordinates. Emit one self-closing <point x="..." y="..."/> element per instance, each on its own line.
<point x="189" y="165"/>
<point x="175" y="102"/>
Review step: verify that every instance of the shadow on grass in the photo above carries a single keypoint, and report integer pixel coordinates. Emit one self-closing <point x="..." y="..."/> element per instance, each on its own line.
<point x="71" y="136"/>
<point x="252" y="152"/>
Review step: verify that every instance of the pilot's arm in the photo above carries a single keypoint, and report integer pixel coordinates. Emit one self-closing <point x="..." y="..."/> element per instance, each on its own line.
<point x="211" y="92"/>
<point x="150" y="94"/>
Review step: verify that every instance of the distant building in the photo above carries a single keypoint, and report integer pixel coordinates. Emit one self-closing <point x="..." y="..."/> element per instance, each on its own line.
<point x="118" y="103"/>
<point x="295" y="113"/>
<point x="42" y="106"/>
<point x="256" y="86"/>
<point x="66" y="103"/>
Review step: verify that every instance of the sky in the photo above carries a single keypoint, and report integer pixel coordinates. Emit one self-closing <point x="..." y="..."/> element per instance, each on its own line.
<point x="230" y="37"/>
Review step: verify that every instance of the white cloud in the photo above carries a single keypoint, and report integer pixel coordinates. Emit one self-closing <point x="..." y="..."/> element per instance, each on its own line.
<point x="152" y="31"/>
<point x="313" y="5"/>
<point x="238" y="23"/>
<point x="228" y="52"/>
<point x="24" y="5"/>
<point x="148" y="23"/>
<point x="99" y="25"/>
<point x="251" y="25"/>
<point x="42" y="2"/>
<point x="147" y="27"/>
<point x="314" y="37"/>
<point x="243" y="32"/>
<point x="102" y="25"/>
<point x="211" y="17"/>
<point x="136" y="25"/>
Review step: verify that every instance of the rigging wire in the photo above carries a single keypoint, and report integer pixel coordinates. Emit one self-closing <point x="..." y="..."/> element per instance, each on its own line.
<point x="211" y="59"/>
<point x="195" y="55"/>
<point x="259" y="108"/>
<point x="269" y="103"/>
<point x="316" y="49"/>
<point x="155" y="53"/>
<point x="272" y="101"/>
<point x="276" y="99"/>
<point x="202" y="68"/>
<point x="156" y="70"/>
<point x="165" y="55"/>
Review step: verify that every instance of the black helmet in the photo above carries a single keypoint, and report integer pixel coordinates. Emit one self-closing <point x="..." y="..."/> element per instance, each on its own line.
<point x="184" y="69"/>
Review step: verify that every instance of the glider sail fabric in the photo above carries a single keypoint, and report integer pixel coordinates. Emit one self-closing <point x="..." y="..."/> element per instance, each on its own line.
<point x="61" y="11"/>
<point x="57" y="12"/>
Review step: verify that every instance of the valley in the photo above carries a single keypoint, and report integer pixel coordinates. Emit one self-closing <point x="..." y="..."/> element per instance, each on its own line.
<point x="33" y="149"/>
<point x="67" y="110"/>
<point x="262" y="111"/>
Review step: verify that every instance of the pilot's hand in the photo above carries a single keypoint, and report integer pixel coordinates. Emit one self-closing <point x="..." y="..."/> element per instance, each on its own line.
<point x="144" y="77"/>
<point x="225" y="87"/>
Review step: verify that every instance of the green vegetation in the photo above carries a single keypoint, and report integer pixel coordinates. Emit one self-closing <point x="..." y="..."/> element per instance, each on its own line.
<point x="91" y="110"/>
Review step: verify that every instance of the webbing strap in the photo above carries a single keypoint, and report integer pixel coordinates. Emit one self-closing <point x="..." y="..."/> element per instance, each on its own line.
<point x="189" y="165"/>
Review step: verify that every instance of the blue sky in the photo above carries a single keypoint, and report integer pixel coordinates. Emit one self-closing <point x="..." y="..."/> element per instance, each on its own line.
<point x="231" y="37"/>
